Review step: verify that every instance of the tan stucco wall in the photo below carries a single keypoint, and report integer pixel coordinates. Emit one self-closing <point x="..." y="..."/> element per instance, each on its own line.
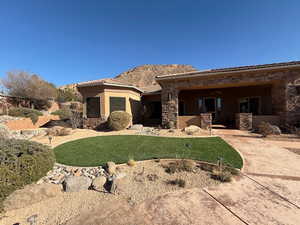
<point x="120" y="93"/>
<point x="105" y="94"/>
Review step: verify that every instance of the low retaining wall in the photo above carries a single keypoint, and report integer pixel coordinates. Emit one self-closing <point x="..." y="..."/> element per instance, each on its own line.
<point x="26" y="123"/>
<point x="185" y="121"/>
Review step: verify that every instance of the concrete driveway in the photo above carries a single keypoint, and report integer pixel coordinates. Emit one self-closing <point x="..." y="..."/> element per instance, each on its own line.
<point x="267" y="193"/>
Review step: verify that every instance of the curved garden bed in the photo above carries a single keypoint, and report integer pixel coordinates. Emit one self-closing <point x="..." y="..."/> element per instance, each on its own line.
<point x="95" y="151"/>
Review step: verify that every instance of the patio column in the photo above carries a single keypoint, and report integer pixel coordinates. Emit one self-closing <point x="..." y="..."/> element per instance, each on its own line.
<point x="169" y="103"/>
<point x="243" y="121"/>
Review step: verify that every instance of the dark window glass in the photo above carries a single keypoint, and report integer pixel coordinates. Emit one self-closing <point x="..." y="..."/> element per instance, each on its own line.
<point x="117" y="104"/>
<point x="93" y="107"/>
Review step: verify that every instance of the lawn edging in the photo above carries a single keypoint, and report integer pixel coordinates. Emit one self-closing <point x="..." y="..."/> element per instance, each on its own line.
<point x="96" y="151"/>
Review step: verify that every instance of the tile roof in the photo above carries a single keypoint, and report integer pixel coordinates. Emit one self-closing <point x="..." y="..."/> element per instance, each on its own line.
<point x="233" y="69"/>
<point x="108" y="82"/>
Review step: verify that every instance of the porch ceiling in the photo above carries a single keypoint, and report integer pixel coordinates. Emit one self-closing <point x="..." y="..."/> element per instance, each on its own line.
<point x="222" y="85"/>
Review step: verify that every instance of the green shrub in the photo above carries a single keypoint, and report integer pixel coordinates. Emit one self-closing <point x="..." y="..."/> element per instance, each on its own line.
<point x="63" y="114"/>
<point x="22" y="162"/>
<point x="25" y="112"/>
<point x="119" y="120"/>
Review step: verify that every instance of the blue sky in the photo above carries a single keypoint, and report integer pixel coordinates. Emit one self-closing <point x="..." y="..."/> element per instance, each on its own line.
<point x="68" y="41"/>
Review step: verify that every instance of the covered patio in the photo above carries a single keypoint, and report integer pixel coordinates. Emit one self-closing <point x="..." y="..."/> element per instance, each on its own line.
<point x="225" y="104"/>
<point x="237" y="96"/>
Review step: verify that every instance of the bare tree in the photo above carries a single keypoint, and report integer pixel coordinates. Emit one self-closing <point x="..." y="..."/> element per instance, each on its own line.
<point x="31" y="86"/>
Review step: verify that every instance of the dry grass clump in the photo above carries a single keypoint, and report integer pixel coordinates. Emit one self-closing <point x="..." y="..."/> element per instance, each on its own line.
<point x="131" y="162"/>
<point x="180" y="165"/>
<point x="178" y="182"/>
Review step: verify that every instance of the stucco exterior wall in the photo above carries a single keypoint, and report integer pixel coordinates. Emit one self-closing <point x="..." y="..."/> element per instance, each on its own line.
<point x="127" y="94"/>
<point x="105" y="93"/>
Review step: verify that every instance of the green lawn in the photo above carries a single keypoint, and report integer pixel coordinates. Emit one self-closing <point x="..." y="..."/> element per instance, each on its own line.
<point x="97" y="151"/>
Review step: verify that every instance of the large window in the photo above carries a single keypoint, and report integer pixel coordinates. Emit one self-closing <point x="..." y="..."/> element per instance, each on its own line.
<point x="93" y="107"/>
<point x="117" y="104"/>
<point x="250" y="105"/>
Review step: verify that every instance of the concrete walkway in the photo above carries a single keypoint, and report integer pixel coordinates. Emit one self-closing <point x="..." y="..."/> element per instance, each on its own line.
<point x="267" y="193"/>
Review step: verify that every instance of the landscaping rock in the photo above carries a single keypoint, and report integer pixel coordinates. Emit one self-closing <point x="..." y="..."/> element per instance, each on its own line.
<point x="31" y="194"/>
<point x="74" y="184"/>
<point x="4" y="132"/>
<point x="120" y="175"/>
<point x="190" y="130"/>
<point x="111" y="168"/>
<point x="138" y="127"/>
<point x="266" y="129"/>
<point x="276" y="130"/>
<point x="98" y="183"/>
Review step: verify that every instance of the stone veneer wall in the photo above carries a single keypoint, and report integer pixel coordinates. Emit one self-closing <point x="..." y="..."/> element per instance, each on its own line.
<point x="205" y="120"/>
<point x="169" y="99"/>
<point x="243" y="121"/>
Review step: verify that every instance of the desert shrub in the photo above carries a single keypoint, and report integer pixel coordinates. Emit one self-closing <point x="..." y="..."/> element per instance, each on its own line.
<point x="22" y="162"/>
<point x="222" y="172"/>
<point x="178" y="182"/>
<point x="221" y="175"/>
<point x="75" y="119"/>
<point x="119" y="120"/>
<point x="180" y="165"/>
<point x="25" y="112"/>
<point x="63" y="114"/>
<point x="4" y="132"/>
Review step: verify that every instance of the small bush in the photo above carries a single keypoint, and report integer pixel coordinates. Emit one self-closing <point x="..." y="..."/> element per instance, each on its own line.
<point x="180" y="165"/>
<point x="25" y="112"/>
<point x="119" y="120"/>
<point x="178" y="182"/>
<point x="22" y="162"/>
<point x="63" y="114"/>
<point x="221" y="175"/>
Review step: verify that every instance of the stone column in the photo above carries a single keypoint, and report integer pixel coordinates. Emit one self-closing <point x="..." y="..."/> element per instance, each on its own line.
<point x="169" y="103"/>
<point x="292" y="115"/>
<point x="205" y="120"/>
<point x="243" y="121"/>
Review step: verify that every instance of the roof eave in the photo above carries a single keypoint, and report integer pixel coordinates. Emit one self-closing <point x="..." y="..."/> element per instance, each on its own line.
<point x="204" y="74"/>
<point x="108" y="84"/>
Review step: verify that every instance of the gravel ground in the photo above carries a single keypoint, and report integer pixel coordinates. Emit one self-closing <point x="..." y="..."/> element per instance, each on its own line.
<point x="134" y="188"/>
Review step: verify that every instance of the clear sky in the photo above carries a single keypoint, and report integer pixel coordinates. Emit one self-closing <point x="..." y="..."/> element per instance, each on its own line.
<point x="68" y="41"/>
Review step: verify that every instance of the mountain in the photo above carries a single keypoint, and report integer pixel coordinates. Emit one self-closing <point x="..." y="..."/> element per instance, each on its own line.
<point x="144" y="76"/>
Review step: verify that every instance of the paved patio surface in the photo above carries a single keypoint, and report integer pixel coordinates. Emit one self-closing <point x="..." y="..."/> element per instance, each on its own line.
<point x="267" y="193"/>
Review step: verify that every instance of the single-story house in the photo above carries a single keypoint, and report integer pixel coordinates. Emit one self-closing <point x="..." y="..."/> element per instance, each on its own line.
<point x="238" y="96"/>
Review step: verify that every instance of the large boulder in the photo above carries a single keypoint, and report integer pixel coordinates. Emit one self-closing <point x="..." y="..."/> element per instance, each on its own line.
<point x="266" y="129"/>
<point x="98" y="183"/>
<point x="276" y="130"/>
<point x="76" y="183"/>
<point x="190" y="130"/>
<point x="138" y="127"/>
<point x="31" y="194"/>
<point x="111" y="168"/>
